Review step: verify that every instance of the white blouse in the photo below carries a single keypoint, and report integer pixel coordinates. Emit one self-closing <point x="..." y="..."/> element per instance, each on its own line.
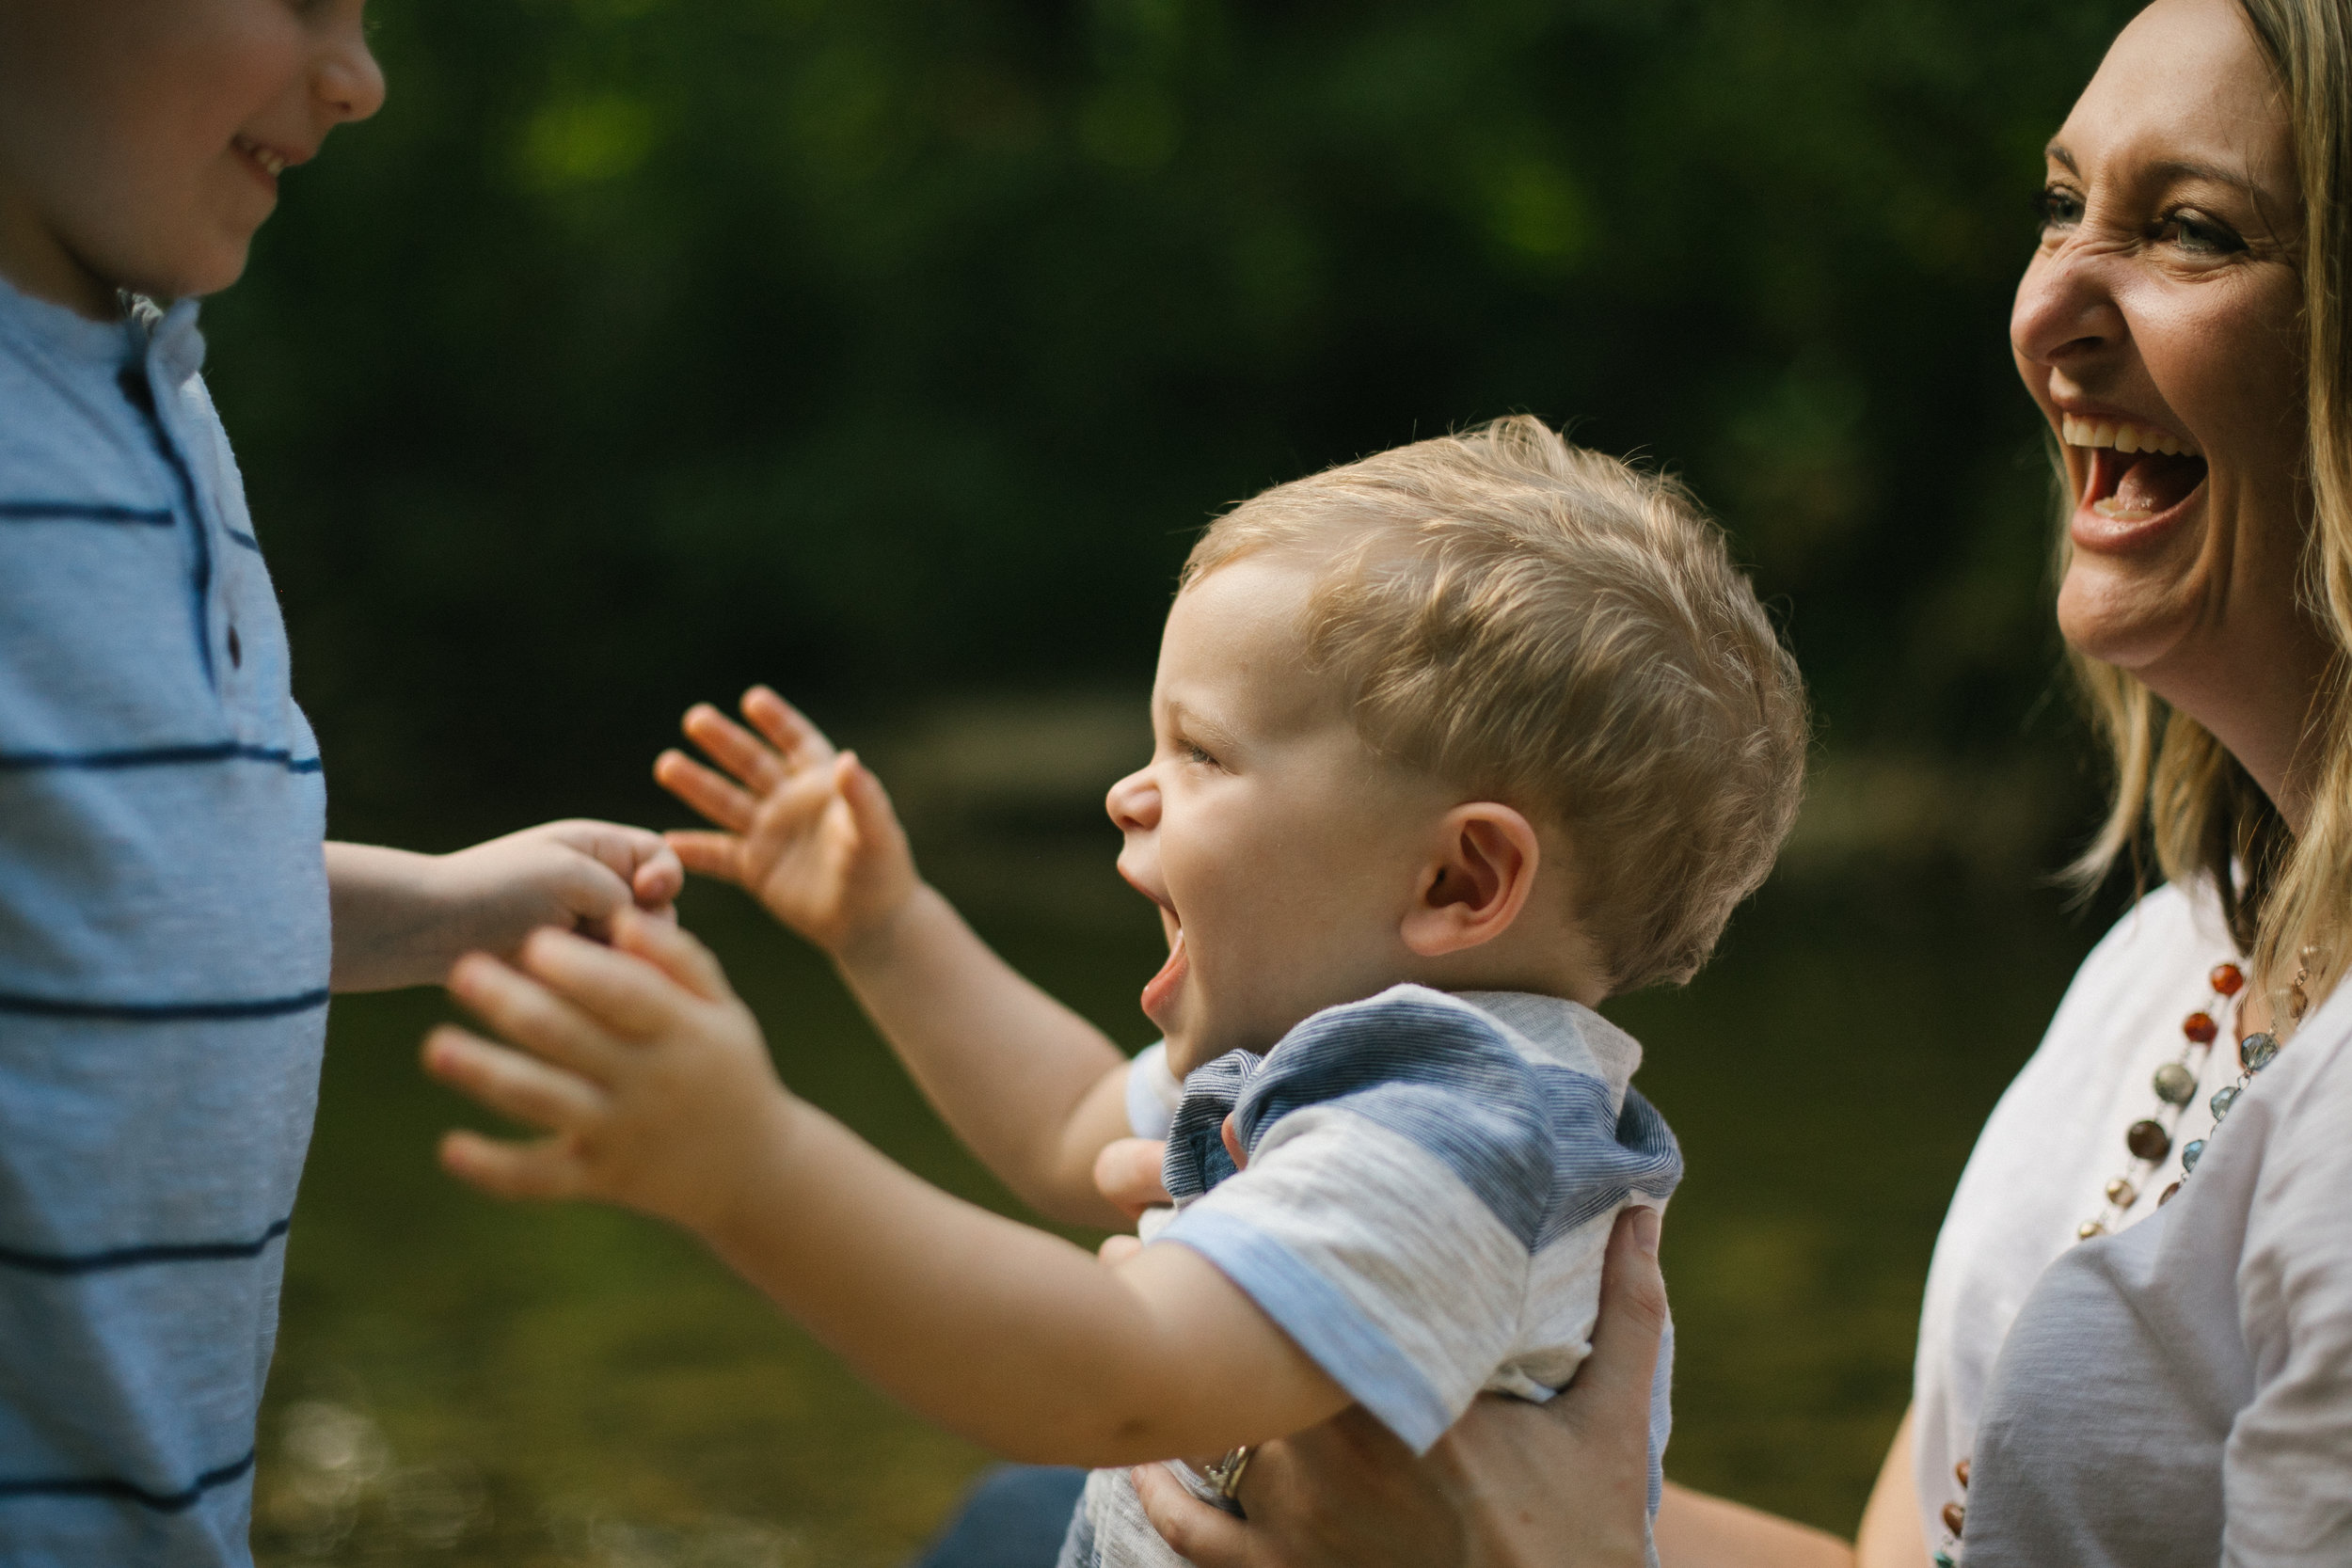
<point x="2054" y="1141"/>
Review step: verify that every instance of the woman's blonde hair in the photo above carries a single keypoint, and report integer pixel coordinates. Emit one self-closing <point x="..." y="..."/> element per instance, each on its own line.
<point x="2204" y="814"/>
<point x="1529" y="619"/>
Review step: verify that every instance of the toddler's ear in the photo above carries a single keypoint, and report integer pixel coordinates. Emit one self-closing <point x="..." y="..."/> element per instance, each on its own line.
<point x="1476" y="882"/>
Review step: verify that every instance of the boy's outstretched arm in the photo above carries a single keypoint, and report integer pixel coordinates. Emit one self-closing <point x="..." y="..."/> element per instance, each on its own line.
<point x="401" y="918"/>
<point x="656" y="1090"/>
<point x="1027" y="1085"/>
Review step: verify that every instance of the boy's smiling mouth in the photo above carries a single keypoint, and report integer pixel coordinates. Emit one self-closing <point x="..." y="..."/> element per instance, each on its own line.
<point x="266" y="161"/>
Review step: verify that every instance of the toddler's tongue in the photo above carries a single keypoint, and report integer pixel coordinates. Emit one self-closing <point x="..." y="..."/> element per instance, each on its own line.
<point x="1162" y="988"/>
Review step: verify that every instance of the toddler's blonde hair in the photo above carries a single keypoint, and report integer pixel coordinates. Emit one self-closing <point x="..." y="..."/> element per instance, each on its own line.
<point x="1568" y="635"/>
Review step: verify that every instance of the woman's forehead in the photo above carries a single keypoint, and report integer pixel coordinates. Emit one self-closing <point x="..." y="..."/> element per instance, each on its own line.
<point x="2185" y="91"/>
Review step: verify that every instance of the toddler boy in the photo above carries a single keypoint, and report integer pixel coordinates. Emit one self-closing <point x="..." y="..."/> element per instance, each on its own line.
<point x="1450" y="744"/>
<point x="165" y="949"/>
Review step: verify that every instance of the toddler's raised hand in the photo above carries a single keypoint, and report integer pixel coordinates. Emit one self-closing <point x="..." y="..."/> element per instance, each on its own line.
<point x="807" y="829"/>
<point x="650" y="1078"/>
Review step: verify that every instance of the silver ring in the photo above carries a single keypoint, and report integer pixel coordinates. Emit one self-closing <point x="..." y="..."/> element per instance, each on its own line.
<point x="1224" y="1475"/>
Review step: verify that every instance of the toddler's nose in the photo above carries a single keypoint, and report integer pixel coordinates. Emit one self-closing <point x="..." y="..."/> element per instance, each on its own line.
<point x="1133" y="802"/>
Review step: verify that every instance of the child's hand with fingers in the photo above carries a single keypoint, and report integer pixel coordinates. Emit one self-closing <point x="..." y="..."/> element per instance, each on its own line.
<point x="650" y="1078"/>
<point x="806" y="828"/>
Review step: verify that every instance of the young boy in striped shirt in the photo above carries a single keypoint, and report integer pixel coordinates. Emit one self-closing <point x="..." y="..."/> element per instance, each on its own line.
<point x="170" y="921"/>
<point x="1450" y="744"/>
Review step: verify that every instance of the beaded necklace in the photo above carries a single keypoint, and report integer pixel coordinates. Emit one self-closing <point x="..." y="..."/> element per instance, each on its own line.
<point x="2150" y="1139"/>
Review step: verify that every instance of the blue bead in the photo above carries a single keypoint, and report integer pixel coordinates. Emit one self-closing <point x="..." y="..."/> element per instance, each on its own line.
<point x="2223" y="1097"/>
<point x="1944" y="1559"/>
<point x="2256" y="1051"/>
<point x="2190" y="1155"/>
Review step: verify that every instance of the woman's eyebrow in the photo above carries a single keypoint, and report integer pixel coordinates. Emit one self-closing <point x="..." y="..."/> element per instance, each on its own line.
<point x="2169" y="171"/>
<point x="2174" y="169"/>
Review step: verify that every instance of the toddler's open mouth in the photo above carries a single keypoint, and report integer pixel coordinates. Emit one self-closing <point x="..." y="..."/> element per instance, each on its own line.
<point x="1161" y="988"/>
<point x="2137" y="474"/>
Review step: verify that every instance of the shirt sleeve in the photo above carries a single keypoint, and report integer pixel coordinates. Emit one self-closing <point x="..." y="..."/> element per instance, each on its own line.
<point x="1152" y="1092"/>
<point x="1401" y="1176"/>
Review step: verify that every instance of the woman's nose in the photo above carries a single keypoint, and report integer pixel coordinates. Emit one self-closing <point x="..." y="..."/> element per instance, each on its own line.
<point x="348" y="82"/>
<point x="1133" y="802"/>
<point x="2065" y="311"/>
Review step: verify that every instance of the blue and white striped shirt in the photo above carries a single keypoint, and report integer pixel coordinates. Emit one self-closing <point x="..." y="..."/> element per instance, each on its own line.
<point x="163" y="950"/>
<point x="1431" y="1184"/>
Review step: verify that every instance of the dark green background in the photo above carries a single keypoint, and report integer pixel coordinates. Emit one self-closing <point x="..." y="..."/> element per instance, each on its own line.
<point x="891" y="353"/>
<point x="640" y="348"/>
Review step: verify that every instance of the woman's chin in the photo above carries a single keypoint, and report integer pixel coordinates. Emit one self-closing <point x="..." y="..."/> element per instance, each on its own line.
<point x="2117" y="617"/>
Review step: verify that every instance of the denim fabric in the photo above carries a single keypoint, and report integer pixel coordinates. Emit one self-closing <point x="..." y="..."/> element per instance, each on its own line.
<point x="1014" y="1517"/>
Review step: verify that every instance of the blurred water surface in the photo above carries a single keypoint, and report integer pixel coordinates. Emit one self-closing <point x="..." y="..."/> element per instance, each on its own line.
<point x="460" y="1382"/>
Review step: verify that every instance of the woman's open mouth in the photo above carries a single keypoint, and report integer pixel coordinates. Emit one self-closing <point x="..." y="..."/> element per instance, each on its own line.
<point x="2138" y="476"/>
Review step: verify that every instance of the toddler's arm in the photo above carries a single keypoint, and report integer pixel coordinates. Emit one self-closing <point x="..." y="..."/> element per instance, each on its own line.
<point x="1030" y="1087"/>
<point x="657" y="1090"/>
<point x="401" y="918"/>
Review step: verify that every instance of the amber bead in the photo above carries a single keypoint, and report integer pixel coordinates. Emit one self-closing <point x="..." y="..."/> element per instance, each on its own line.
<point x="1954" y="1517"/>
<point x="2122" y="1193"/>
<point x="2199" y="1027"/>
<point x="1959" y="1472"/>
<point x="2088" y="1228"/>
<point x="2228" y="979"/>
<point x="2147" y="1140"/>
<point x="2165" y="1196"/>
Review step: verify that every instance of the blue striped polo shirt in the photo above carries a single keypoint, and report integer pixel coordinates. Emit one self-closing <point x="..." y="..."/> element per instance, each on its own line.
<point x="1431" y="1184"/>
<point x="164" y="949"/>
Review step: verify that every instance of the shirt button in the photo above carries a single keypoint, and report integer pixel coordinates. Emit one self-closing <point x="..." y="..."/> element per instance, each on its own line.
<point x="236" y="650"/>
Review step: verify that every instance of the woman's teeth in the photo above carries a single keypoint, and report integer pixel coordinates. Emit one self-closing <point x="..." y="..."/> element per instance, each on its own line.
<point x="2123" y="438"/>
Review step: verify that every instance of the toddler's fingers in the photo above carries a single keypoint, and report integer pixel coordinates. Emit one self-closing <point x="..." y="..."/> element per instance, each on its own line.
<point x="1129" y="1173"/>
<point x="792" y="808"/>
<point x="660" y="874"/>
<point x="735" y="749"/>
<point x="655" y="887"/>
<point x="526" y="1012"/>
<point x="515" y="1085"/>
<point x="707" y="792"/>
<point x="673" y="950"/>
<point x="618" y="990"/>
<point x="804" y="744"/>
<point x="869" y="805"/>
<point x="708" y="854"/>
<point x="545" y="1169"/>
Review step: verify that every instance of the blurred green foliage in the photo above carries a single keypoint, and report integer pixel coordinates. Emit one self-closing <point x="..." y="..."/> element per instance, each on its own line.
<point x="642" y="348"/>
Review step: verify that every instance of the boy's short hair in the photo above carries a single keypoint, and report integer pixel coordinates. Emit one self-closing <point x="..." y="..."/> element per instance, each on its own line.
<point x="1569" y="633"/>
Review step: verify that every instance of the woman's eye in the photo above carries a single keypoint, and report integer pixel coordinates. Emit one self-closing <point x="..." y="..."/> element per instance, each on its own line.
<point x="2057" y="209"/>
<point x="2199" y="236"/>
